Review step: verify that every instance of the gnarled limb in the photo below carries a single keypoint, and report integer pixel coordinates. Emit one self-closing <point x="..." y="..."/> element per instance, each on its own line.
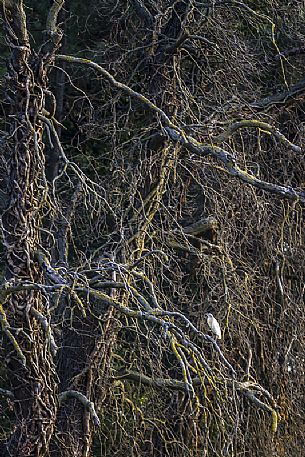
<point x="230" y="163"/>
<point x="264" y="126"/>
<point x="177" y="135"/>
<point x="268" y="102"/>
<point x="247" y="389"/>
<point x="64" y="396"/>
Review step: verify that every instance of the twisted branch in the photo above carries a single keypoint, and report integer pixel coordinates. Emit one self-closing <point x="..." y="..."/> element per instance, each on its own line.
<point x="177" y="135"/>
<point x="89" y="405"/>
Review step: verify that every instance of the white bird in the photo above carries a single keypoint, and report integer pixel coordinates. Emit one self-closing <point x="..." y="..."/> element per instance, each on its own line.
<point x="213" y="324"/>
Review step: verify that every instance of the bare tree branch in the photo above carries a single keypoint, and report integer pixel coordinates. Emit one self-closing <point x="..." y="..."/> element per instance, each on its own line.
<point x="47" y="328"/>
<point x="246" y="389"/>
<point x="248" y="123"/>
<point x="119" y="85"/>
<point x="177" y="135"/>
<point x="230" y="163"/>
<point x="89" y="405"/>
<point x="298" y="50"/>
<point x="51" y="25"/>
<point x="7" y="394"/>
<point x="268" y="102"/>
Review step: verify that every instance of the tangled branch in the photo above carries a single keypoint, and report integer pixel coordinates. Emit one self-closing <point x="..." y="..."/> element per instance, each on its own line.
<point x="92" y="283"/>
<point x="177" y="135"/>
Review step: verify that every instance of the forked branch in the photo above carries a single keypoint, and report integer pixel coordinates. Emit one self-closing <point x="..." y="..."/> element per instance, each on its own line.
<point x="248" y="390"/>
<point x="177" y="135"/>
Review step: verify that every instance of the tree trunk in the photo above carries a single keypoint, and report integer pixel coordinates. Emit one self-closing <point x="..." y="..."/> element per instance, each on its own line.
<point x="84" y="362"/>
<point x="29" y="357"/>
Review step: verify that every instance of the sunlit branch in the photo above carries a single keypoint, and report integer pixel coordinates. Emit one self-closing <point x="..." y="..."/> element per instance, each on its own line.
<point x="177" y="135"/>
<point x="230" y="163"/>
<point x="64" y="396"/>
<point x="47" y="329"/>
<point x="248" y="390"/>
<point x="119" y="85"/>
<point x="51" y="25"/>
<point x="6" y="329"/>
<point x="264" y="126"/>
<point x="152" y="316"/>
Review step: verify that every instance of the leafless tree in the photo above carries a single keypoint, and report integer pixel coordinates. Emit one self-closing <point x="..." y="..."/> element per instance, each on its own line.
<point x="192" y="204"/>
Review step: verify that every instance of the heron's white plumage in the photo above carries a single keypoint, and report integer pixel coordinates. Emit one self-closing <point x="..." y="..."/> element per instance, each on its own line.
<point x="214" y="325"/>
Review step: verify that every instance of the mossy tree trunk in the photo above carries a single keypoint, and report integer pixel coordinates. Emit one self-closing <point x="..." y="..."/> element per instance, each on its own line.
<point x="29" y="357"/>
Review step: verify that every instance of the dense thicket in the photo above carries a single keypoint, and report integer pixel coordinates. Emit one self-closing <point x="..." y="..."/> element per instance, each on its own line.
<point x="152" y="171"/>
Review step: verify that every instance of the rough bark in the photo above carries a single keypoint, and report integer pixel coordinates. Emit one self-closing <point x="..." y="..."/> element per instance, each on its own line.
<point x="28" y="356"/>
<point x="83" y="365"/>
